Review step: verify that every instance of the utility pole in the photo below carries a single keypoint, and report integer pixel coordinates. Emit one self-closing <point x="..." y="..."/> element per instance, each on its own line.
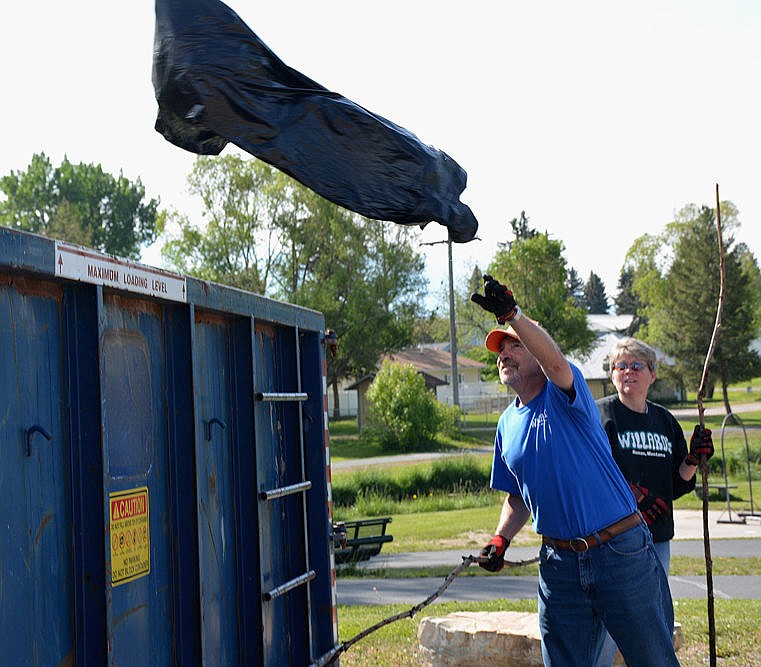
<point x="452" y="328"/>
<point x="453" y="333"/>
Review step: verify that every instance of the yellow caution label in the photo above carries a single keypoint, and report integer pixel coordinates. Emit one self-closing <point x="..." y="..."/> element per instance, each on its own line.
<point x="130" y="535"/>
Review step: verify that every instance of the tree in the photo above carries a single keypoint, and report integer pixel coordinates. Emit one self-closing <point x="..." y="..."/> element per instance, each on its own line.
<point x="535" y="270"/>
<point x="625" y="301"/>
<point x="368" y="285"/>
<point x="80" y="203"/>
<point x="575" y="287"/>
<point x="521" y="229"/>
<point x="268" y="233"/>
<point x="403" y="415"/>
<point x="681" y="302"/>
<point x="235" y="244"/>
<point x="595" y="299"/>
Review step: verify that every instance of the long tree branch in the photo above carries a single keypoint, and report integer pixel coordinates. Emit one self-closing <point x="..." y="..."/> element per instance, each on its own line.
<point x="701" y="419"/>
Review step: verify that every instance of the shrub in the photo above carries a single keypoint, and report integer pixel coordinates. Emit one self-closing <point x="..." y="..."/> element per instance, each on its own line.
<point x="403" y="414"/>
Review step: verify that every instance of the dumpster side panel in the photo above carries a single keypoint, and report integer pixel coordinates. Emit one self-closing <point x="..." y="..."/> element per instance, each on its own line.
<point x="135" y="454"/>
<point x="216" y="511"/>
<point x="36" y="583"/>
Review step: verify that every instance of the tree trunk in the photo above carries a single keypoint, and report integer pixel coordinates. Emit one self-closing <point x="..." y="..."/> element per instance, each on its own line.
<point x="336" y="405"/>
<point x="725" y="394"/>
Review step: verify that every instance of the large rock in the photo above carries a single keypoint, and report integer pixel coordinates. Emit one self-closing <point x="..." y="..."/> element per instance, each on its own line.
<point x="481" y="639"/>
<point x="488" y="639"/>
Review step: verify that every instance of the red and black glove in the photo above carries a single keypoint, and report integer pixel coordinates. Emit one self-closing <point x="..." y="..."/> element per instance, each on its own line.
<point x="495" y="552"/>
<point x="498" y="300"/>
<point x="652" y="507"/>
<point x="701" y="445"/>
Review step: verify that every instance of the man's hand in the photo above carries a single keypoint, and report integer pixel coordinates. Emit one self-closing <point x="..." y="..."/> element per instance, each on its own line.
<point x="701" y="445"/>
<point x="652" y="507"/>
<point x="494" y="551"/>
<point x="498" y="300"/>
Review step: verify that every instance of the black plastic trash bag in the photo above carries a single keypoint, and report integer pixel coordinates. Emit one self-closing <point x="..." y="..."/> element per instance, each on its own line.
<point x="217" y="82"/>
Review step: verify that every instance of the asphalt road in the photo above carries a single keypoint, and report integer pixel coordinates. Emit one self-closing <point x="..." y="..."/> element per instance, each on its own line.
<point x="366" y="591"/>
<point x="470" y="589"/>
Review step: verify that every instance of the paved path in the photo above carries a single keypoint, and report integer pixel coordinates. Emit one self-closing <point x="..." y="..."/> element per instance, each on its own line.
<point x="727" y="539"/>
<point x="469" y="589"/>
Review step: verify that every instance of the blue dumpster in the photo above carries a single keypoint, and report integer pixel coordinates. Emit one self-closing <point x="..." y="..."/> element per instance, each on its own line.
<point x="164" y="468"/>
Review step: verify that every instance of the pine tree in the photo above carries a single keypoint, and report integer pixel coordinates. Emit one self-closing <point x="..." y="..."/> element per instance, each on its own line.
<point x="575" y="287"/>
<point x="596" y="300"/>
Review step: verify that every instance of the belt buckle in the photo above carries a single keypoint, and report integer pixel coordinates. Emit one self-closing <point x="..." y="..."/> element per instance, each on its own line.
<point x="584" y="545"/>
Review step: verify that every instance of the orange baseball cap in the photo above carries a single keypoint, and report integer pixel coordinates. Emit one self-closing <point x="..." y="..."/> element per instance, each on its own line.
<point x="495" y="337"/>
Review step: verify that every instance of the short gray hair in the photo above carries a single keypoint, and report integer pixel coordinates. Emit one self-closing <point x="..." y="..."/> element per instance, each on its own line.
<point x="635" y="348"/>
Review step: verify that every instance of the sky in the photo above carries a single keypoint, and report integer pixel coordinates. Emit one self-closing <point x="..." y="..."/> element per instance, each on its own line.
<point x="598" y="119"/>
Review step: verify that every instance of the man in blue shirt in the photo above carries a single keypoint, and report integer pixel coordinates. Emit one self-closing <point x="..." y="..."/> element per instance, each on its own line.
<point x="598" y="569"/>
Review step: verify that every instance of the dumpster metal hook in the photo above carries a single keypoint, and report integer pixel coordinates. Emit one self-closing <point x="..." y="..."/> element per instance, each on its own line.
<point x="211" y="423"/>
<point x="30" y="432"/>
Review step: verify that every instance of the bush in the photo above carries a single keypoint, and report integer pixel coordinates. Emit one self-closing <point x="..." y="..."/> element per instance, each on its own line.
<point x="736" y="462"/>
<point x="403" y="414"/>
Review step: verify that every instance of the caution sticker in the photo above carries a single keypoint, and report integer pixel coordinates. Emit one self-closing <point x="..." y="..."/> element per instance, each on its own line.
<point x="130" y="535"/>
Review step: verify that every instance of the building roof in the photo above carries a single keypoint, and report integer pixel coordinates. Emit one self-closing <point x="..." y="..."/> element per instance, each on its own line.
<point x="610" y="329"/>
<point x="429" y="359"/>
<point x="431" y="381"/>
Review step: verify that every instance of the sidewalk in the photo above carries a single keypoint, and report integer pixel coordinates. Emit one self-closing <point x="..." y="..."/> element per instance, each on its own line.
<point x="737" y="540"/>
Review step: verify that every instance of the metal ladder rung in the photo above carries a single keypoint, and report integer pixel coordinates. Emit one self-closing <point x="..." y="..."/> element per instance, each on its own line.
<point x="282" y="396"/>
<point x="272" y="494"/>
<point x="289" y="585"/>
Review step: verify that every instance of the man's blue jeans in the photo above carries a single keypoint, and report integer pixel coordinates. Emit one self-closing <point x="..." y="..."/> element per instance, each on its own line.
<point x="620" y="586"/>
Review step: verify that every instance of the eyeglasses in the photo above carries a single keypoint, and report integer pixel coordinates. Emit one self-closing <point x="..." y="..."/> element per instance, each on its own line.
<point x="634" y="365"/>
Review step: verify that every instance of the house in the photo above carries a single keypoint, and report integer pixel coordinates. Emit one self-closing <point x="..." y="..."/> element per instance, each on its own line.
<point x="436" y="360"/>
<point x="595" y="366"/>
<point x="433" y="362"/>
<point x="363" y="384"/>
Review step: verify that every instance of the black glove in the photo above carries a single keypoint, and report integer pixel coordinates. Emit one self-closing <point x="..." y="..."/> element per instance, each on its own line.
<point x="498" y="300"/>
<point x="652" y="507"/>
<point x="494" y="551"/>
<point x="701" y="445"/>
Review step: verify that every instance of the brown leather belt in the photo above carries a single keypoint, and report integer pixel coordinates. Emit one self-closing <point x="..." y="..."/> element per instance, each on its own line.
<point x="581" y="544"/>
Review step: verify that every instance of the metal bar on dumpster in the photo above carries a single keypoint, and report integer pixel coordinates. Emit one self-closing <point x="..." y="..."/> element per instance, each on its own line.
<point x="272" y="494"/>
<point x="282" y="396"/>
<point x="289" y="585"/>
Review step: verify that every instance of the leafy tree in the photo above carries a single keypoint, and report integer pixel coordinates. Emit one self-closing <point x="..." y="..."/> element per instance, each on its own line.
<point x="595" y="299"/>
<point x="472" y="322"/>
<point x="80" y="203"/>
<point x="430" y="328"/>
<point x="267" y="233"/>
<point x="681" y="301"/>
<point x="235" y="244"/>
<point x="368" y="285"/>
<point x="535" y="270"/>
<point x="403" y="415"/>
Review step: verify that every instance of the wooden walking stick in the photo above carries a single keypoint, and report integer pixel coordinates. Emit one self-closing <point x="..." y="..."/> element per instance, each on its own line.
<point x="701" y="419"/>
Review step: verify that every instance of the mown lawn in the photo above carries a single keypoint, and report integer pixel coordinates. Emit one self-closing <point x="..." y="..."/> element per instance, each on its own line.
<point x="738" y="638"/>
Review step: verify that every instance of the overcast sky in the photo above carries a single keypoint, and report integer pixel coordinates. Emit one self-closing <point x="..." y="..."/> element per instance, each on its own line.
<point x="599" y="119"/>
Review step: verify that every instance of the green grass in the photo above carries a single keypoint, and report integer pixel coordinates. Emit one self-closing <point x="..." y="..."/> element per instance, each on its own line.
<point x="737" y="631"/>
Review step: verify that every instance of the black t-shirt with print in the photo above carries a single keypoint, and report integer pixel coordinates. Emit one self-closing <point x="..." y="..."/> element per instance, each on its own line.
<point x="649" y="448"/>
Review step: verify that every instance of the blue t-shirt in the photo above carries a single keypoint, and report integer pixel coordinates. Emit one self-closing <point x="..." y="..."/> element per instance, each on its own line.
<point x="555" y="454"/>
